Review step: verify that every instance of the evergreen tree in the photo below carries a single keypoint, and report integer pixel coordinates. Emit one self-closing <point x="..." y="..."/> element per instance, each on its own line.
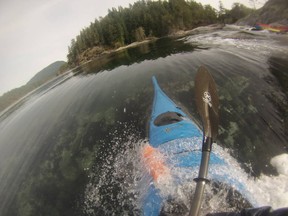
<point x="237" y="12"/>
<point x="140" y="34"/>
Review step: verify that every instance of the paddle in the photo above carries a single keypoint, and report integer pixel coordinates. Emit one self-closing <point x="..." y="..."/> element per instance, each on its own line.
<point x="207" y="105"/>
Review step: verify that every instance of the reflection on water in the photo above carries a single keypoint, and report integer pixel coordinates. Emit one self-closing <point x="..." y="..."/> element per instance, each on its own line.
<point x="278" y="67"/>
<point x="58" y="140"/>
<point x="147" y="51"/>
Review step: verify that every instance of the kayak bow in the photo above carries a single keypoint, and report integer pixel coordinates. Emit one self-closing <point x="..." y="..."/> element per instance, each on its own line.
<point x="174" y="134"/>
<point x="168" y="122"/>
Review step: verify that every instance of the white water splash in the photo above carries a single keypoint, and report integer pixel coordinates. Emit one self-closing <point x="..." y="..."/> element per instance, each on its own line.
<point x="273" y="190"/>
<point x="261" y="43"/>
<point x="123" y="173"/>
<point x="132" y="179"/>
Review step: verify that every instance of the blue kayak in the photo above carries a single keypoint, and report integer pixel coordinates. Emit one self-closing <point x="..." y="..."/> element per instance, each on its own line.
<point x="175" y="135"/>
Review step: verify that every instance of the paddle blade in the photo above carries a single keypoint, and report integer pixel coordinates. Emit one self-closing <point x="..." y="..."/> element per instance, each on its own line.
<point x="207" y="102"/>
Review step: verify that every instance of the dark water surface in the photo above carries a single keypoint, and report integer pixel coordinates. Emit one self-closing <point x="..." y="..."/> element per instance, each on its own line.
<point x="66" y="137"/>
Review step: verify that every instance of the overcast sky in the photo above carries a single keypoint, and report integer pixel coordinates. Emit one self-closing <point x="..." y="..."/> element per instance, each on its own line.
<point x="35" y="33"/>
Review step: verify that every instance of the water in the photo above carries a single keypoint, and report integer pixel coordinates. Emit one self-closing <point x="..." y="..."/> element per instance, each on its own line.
<point x="74" y="146"/>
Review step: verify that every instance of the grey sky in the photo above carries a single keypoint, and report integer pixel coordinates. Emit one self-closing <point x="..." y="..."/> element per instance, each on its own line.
<point x="35" y="33"/>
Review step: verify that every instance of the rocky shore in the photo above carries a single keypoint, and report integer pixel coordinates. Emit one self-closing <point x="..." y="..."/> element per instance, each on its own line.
<point x="274" y="12"/>
<point x="96" y="52"/>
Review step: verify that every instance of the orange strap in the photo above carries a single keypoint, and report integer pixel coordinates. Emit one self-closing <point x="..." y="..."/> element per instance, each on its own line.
<point x="154" y="162"/>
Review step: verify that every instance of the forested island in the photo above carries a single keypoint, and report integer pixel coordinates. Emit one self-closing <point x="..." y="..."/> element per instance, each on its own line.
<point x="146" y="20"/>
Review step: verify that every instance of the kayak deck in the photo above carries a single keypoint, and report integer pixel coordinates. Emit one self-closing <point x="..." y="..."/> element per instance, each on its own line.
<point x="176" y="123"/>
<point x="179" y="139"/>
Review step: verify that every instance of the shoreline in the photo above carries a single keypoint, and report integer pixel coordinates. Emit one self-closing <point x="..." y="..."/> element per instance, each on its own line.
<point x="135" y="44"/>
<point x="197" y="30"/>
<point x="97" y="52"/>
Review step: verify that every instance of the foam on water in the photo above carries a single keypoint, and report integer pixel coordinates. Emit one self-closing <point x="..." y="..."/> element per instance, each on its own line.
<point x="129" y="179"/>
<point x="259" y="43"/>
<point x="272" y="190"/>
